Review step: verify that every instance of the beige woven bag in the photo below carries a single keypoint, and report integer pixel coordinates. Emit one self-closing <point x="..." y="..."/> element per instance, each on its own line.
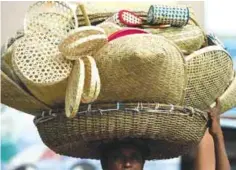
<point x="141" y="67"/>
<point x="210" y="71"/>
<point x="41" y="67"/>
<point x="188" y="38"/>
<point x="14" y="96"/>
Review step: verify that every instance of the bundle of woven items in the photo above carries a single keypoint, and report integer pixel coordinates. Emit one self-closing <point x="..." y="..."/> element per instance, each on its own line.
<point x="94" y="74"/>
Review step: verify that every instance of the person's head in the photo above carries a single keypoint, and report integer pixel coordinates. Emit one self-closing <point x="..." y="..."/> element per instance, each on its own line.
<point x="123" y="156"/>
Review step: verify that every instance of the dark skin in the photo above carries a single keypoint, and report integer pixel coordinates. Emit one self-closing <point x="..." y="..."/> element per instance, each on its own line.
<point x="221" y="159"/>
<point x="125" y="158"/>
<point x="130" y="158"/>
<point x="211" y="152"/>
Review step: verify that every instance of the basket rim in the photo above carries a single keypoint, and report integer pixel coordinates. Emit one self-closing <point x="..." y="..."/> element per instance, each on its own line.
<point x="139" y="107"/>
<point x="65" y="136"/>
<point x="207" y="49"/>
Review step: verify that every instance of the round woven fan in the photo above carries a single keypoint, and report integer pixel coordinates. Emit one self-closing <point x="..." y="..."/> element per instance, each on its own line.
<point x="125" y="32"/>
<point x="75" y="88"/>
<point x="83" y="41"/>
<point x="210" y="71"/>
<point x="53" y="15"/>
<point x="41" y="67"/>
<point x="92" y="80"/>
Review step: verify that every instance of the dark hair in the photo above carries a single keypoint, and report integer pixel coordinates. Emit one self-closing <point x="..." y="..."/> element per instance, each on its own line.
<point x="105" y="149"/>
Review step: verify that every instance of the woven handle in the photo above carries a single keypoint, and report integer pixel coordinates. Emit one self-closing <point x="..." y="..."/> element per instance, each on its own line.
<point x="86" y="18"/>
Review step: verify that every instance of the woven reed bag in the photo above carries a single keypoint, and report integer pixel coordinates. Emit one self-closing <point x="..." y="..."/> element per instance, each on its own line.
<point x="141" y="67"/>
<point x="188" y="38"/>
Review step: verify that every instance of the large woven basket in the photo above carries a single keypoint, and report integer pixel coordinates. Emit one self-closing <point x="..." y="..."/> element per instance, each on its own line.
<point x="168" y="131"/>
<point x="141" y="67"/>
<point x="14" y="96"/>
<point x="210" y="72"/>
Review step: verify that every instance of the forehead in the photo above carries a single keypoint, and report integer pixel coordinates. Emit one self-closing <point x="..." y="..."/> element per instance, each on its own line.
<point x="127" y="149"/>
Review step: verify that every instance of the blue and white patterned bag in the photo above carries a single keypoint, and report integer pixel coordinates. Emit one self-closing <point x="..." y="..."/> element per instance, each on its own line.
<point x="169" y="15"/>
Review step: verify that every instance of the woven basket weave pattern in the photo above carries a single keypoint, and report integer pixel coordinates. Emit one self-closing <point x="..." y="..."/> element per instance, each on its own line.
<point x="183" y="131"/>
<point x="210" y="70"/>
<point x="49" y="15"/>
<point x="188" y="38"/>
<point x="127" y="66"/>
<point x="39" y="60"/>
<point x="228" y="99"/>
<point x="41" y="67"/>
<point x="14" y="96"/>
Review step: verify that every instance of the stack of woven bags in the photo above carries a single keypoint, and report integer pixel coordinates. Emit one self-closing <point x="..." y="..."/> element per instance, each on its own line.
<point x="98" y="72"/>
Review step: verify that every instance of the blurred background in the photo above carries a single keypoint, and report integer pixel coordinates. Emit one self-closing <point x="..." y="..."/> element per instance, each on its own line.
<point x="21" y="146"/>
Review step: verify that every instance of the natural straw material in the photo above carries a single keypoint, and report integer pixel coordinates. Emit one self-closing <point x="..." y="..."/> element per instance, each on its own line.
<point x="6" y="56"/>
<point x="210" y="71"/>
<point x="188" y="38"/>
<point x="6" y="65"/>
<point x="75" y="88"/>
<point x="82" y="41"/>
<point x="141" y="67"/>
<point x="41" y="67"/>
<point x="14" y="96"/>
<point x="92" y="78"/>
<point x="109" y="27"/>
<point x="228" y="99"/>
<point x="168" y="131"/>
<point x="49" y="15"/>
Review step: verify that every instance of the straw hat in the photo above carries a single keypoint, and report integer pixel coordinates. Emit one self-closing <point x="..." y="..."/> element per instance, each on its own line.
<point x="210" y="71"/>
<point x="228" y="99"/>
<point x="97" y="124"/>
<point x="18" y="98"/>
<point x="129" y="67"/>
<point x="188" y="38"/>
